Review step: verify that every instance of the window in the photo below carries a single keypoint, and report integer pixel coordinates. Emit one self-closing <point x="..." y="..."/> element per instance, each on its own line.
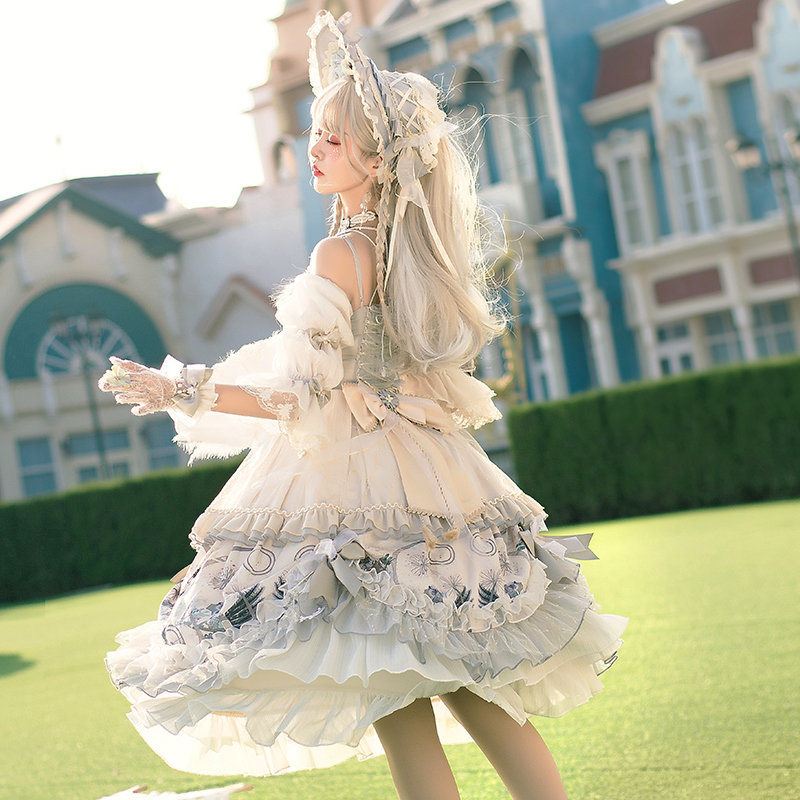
<point x="523" y="166"/>
<point x="539" y="385"/>
<point x="36" y="466"/>
<point x="120" y="469"/>
<point x="674" y="349"/>
<point x="773" y="329"/>
<point x="629" y="200"/>
<point x="722" y="338"/>
<point x="162" y="452"/>
<point x="81" y="444"/>
<point x="625" y="158"/>
<point x="694" y="176"/>
<point x="474" y="110"/>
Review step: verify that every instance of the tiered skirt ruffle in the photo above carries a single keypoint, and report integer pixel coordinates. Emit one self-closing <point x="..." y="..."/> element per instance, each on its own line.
<point x="330" y="591"/>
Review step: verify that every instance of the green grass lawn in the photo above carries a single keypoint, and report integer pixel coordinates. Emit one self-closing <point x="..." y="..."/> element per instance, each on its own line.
<point x="703" y="702"/>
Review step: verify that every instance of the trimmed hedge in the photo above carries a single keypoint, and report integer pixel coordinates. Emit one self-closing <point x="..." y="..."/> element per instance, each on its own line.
<point x="722" y="437"/>
<point x="107" y="533"/>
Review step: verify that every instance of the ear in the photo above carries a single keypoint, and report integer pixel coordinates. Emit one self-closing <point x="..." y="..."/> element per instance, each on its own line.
<point x="375" y="165"/>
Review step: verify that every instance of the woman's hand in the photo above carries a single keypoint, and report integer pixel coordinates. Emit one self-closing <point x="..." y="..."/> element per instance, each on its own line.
<point x="148" y="390"/>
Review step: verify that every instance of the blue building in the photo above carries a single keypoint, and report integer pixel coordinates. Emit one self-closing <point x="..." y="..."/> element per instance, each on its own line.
<point x="705" y="248"/>
<point x="520" y="72"/>
<point x="526" y="69"/>
<point x="604" y="141"/>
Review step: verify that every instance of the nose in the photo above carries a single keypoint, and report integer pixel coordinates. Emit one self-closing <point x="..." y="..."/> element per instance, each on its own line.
<point x="313" y="148"/>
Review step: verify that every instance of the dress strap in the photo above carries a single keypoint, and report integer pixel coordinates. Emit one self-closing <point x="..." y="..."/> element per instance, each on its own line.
<point x="357" y="263"/>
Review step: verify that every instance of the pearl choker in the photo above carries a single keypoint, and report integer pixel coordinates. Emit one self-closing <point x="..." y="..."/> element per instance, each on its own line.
<point x="357" y="220"/>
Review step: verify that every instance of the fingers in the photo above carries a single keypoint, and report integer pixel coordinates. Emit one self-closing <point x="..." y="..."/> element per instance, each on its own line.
<point x="131" y="397"/>
<point x="128" y="366"/>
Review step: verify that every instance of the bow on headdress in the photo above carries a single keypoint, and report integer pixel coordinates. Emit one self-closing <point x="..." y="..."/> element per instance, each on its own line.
<point x="406" y="121"/>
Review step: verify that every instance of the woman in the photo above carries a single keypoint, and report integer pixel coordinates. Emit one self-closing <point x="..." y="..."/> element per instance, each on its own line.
<point x="366" y="556"/>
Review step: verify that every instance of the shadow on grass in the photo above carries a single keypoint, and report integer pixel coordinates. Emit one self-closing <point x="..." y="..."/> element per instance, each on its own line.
<point x="13" y="662"/>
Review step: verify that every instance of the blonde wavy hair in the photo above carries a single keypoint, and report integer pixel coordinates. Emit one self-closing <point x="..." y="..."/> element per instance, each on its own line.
<point x="438" y="318"/>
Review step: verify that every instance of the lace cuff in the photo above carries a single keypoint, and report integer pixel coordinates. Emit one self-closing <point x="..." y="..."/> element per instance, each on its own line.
<point x="195" y="391"/>
<point x="285" y="405"/>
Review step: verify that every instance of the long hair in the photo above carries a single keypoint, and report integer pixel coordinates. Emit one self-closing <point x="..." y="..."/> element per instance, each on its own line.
<point x="439" y="318"/>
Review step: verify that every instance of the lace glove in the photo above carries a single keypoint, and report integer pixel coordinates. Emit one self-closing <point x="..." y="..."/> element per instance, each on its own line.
<point x="150" y="390"/>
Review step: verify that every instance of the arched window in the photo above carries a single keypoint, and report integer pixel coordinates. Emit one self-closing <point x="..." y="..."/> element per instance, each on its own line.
<point x="694" y="177"/>
<point x="522" y="120"/>
<point x="684" y="115"/>
<point x="473" y="107"/>
<point x="63" y="324"/>
<point x="625" y="158"/>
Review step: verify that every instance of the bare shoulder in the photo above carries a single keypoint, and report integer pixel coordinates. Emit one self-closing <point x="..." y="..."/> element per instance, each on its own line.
<point x="332" y="258"/>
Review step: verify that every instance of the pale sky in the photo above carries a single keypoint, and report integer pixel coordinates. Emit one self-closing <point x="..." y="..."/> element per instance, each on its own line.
<point x="133" y="86"/>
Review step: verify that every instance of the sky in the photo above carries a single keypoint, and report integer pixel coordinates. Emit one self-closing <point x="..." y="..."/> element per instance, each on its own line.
<point x="103" y="87"/>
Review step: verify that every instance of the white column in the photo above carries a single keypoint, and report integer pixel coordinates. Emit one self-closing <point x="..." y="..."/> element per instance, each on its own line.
<point x="543" y="321"/>
<point x="552" y="358"/>
<point x="6" y="401"/>
<point x="21" y="265"/>
<point x="594" y="309"/>
<point x="169" y="278"/>
<point x="641" y="314"/>
<point x="733" y="271"/>
<point x="63" y="227"/>
<point x="647" y="350"/>
<point x="114" y="243"/>
<point x="743" y="321"/>
<point x="49" y="398"/>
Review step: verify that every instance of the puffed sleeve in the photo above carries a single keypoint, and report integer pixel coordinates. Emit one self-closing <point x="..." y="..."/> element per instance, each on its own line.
<point x="290" y="374"/>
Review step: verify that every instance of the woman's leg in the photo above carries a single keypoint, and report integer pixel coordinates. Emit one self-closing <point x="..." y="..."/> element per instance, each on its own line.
<point x="416" y="759"/>
<point x="517" y="752"/>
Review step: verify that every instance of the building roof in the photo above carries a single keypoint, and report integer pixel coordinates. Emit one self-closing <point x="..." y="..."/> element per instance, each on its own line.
<point x="628" y="45"/>
<point x="136" y="194"/>
<point x="17" y="213"/>
<point x="236" y="287"/>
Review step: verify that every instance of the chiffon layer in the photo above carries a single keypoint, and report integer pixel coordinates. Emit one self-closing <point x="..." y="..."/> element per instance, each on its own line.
<point x="332" y="589"/>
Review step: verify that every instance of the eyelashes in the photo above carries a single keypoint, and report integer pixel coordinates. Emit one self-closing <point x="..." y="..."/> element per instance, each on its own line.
<point x="331" y="139"/>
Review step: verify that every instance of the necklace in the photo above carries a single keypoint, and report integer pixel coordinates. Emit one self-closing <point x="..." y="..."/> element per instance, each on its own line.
<point x="357" y="220"/>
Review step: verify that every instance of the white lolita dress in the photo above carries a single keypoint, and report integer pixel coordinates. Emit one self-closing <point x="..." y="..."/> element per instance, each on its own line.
<point x="366" y="553"/>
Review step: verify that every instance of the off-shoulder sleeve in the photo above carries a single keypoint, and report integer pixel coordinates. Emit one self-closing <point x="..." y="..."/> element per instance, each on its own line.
<point x="290" y="374"/>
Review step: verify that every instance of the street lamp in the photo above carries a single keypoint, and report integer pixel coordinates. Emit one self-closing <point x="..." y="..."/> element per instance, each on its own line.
<point x="746" y="155"/>
<point x="79" y="333"/>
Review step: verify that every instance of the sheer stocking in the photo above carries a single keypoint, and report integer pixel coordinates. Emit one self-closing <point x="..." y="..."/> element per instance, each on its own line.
<point x="517" y="752"/>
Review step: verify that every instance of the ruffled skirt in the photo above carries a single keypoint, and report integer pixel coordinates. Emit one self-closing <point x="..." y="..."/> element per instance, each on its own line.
<point x="331" y="590"/>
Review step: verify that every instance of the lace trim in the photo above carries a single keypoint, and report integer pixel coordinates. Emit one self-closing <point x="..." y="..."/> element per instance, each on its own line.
<point x="284" y="405"/>
<point x="484" y="503"/>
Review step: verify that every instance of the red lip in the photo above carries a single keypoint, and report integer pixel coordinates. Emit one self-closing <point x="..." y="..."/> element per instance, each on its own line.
<point x="316" y="172"/>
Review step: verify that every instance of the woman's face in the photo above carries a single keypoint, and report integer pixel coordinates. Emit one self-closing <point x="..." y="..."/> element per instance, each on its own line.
<point x="335" y="167"/>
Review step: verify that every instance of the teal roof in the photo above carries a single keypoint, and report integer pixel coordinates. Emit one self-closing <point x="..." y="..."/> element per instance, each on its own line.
<point x="16" y="216"/>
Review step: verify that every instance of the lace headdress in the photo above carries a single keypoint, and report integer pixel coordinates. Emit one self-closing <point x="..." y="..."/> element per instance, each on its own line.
<point x="406" y="121"/>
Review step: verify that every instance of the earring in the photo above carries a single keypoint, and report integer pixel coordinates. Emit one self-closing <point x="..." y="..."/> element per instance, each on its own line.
<point x="366" y="201"/>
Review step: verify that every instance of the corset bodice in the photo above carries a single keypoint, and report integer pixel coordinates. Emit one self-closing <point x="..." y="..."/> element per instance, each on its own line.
<point x="372" y="358"/>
